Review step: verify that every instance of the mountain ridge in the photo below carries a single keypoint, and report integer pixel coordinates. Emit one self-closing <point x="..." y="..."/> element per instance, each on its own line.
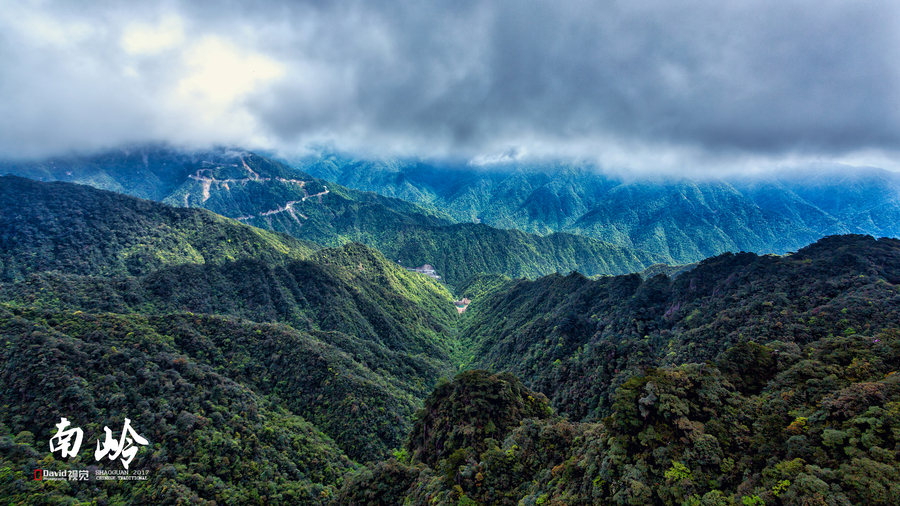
<point x="680" y="219"/>
<point x="267" y="194"/>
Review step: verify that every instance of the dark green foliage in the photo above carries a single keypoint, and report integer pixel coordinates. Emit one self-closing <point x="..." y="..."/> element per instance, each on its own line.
<point x="794" y="400"/>
<point x="211" y="438"/>
<point x="566" y="335"/>
<point x="453" y="449"/>
<point x="359" y="392"/>
<point x="352" y="290"/>
<point x="459" y="415"/>
<point x="818" y="433"/>
<point x="749" y="366"/>
<point x="542" y="330"/>
<point x="461" y="251"/>
<point x="239" y="411"/>
<point x="364" y="411"/>
<point x="259" y="371"/>
<point x="691" y="434"/>
<point x="381" y="484"/>
<point x="670" y="421"/>
<point x="387" y="320"/>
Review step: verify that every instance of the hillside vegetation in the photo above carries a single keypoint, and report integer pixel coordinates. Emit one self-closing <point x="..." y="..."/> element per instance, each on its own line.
<point x="750" y="380"/>
<point x="264" y="361"/>
<point x="77" y="230"/>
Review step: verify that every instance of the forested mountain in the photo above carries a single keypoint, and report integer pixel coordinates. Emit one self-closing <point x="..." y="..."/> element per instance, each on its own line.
<point x="78" y="230"/>
<point x="680" y="219"/>
<point x="266" y="369"/>
<point x="253" y="358"/>
<point x="754" y="380"/>
<point x="332" y="215"/>
<point x="268" y="194"/>
<point x="574" y="331"/>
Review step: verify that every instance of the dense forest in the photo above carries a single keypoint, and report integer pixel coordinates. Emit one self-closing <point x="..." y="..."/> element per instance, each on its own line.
<point x="264" y="369"/>
<point x="749" y="380"/>
<point x="259" y="358"/>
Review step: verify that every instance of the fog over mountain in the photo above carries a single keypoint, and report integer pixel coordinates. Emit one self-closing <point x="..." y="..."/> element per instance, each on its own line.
<point x="697" y="86"/>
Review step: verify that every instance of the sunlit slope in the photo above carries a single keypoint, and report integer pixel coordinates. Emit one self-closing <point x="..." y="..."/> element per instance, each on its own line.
<point x="81" y="230"/>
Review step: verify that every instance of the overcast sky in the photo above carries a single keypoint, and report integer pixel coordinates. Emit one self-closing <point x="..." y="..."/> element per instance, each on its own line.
<point x="632" y="85"/>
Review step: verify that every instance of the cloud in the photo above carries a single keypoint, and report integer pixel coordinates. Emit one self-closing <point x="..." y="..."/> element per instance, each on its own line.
<point x="143" y="38"/>
<point x="511" y="155"/>
<point x="219" y="73"/>
<point x="632" y="85"/>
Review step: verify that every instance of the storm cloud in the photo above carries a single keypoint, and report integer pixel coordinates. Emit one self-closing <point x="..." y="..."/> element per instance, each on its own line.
<point x="629" y="84"/>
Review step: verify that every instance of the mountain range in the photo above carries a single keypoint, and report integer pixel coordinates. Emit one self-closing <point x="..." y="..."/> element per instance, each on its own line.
<point x="266" y="193"/>
<point x="682" y="220"/>
<point x="748" y="380"/>
<point x="572" y="216"/>
<point x="295" y="365"/>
